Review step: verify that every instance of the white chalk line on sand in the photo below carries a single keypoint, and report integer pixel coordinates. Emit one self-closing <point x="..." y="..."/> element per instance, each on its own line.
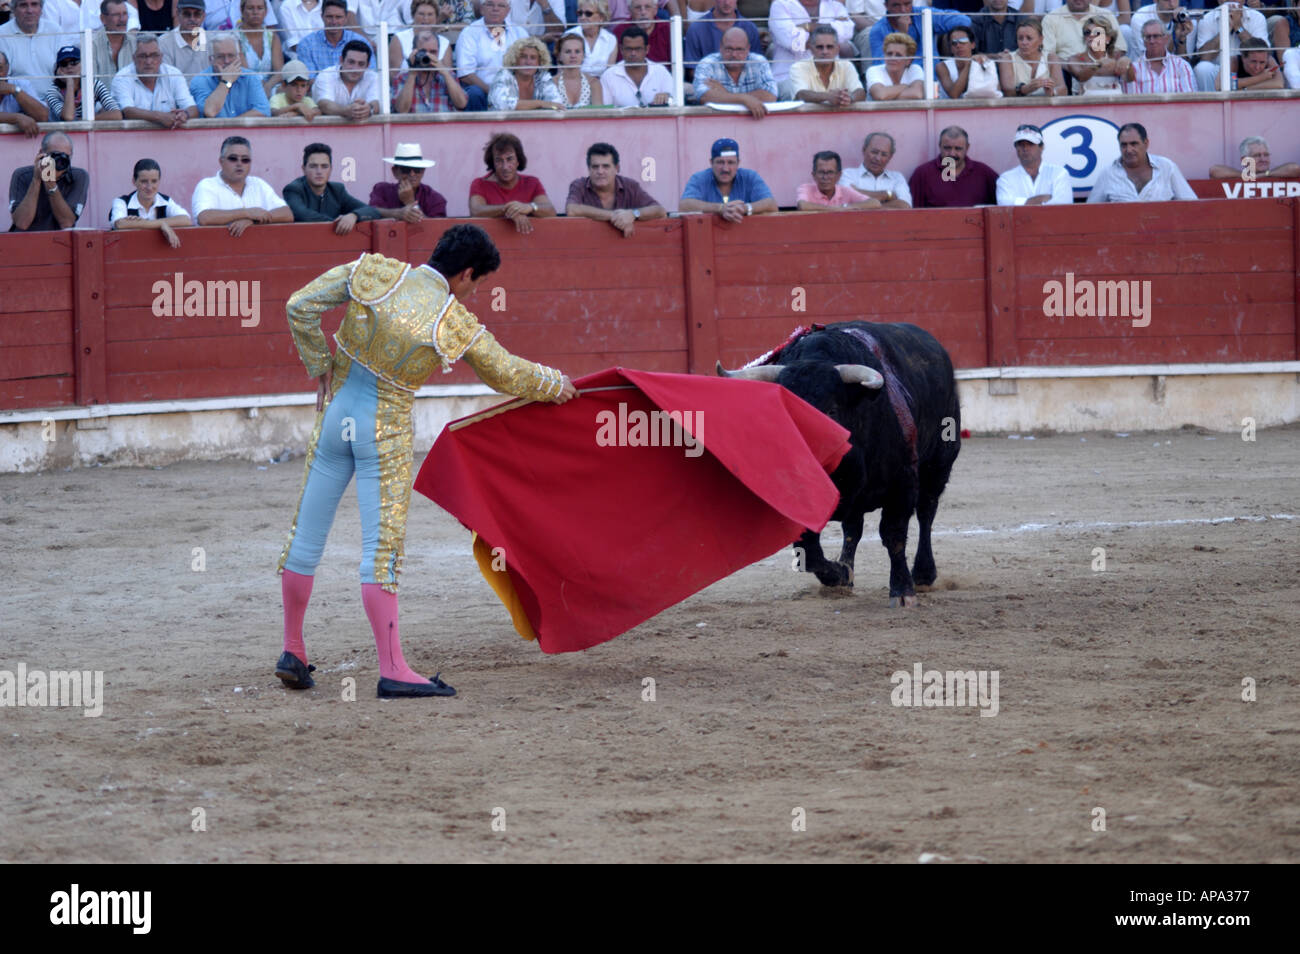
<point x="1109" y="524"/>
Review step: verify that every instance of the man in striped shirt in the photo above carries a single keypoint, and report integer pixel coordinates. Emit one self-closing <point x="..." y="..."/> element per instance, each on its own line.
<point x="1157" y="71"/>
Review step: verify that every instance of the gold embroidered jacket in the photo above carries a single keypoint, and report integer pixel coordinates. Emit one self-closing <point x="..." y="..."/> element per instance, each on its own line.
<point x="401" y="322"/>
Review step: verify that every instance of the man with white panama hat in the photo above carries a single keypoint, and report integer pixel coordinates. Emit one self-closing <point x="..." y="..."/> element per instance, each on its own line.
<point x="408" y="199"/>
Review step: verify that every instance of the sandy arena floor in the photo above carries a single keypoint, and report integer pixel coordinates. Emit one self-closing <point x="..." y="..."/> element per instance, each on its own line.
<point x="1118" y="690"/>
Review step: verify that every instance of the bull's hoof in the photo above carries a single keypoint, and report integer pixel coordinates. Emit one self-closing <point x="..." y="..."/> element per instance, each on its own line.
<point x="905" y="601"/>
<point x="835" y="574"/>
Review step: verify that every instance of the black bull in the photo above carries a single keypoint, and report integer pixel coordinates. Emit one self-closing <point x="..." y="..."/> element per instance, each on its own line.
<point x="891" y="387"/>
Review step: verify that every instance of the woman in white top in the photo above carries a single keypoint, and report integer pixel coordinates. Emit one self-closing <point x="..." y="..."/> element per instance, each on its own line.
<point x="968" y="74"/>
<point x="1099" y="67"/>
<point x="401" y="43"/>
<point x="575" y="89"/>
<point x="259" y="45"/>
<point x="145" y="208"/>
<point x="1028" y="71"/>
<point x="898" y="77"/>
<point x="601" y="47"/>
<point x="696" y="9"/>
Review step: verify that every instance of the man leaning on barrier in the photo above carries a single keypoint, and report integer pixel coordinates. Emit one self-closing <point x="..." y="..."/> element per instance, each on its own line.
<point x="735" y="75"/>
<point x="312" y="197"/>
<point x="19" y="105"/>
<point x="1139" y="175"/>
<point x="152" y="91"/>
<point x="1256" y="162"/>
<point x="234" y="198"/>
<point x="725" y="189"/>
<point x="606" y="196"/>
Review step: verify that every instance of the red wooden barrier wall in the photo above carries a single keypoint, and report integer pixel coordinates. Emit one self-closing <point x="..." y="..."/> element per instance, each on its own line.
<point x="77" y="323"/>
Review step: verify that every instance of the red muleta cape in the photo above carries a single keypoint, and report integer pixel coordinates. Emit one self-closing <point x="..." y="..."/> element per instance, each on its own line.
<point x="599" y="532"/>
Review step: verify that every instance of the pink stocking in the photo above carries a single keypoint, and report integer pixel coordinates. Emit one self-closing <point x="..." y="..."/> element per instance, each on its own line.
<point x="381" y="610"/>
<point x="295" y="590"/>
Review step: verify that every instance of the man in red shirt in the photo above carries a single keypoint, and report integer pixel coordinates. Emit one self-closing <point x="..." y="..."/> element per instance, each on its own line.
<point x="952" y="180"/>
<point x="505" y="194"/>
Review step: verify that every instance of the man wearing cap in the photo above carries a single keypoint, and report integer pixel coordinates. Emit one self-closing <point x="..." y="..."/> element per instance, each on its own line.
<point x="873" y="179"/>
<point x="114" y="45"/>
<point x="313" y="198"/>
<point x="1138" y="175"/>
<point x="151" y="90"/>
<point x="606" y="196"/>
<point x="234" y="198"/>
<point x="19" y="105"/>
<point x="49" y="194"/>
<point x="952" y="179"/>
<point x="349" y="88"/>
<point x="291" y="99"/>
<point x="725" y="188"/>
<point x="226" y="88"/>
<point x="31" y="53"/>
<point x="1033" y="182"/>
<point x="184" y="45"/>
<point x="408" y="199"/>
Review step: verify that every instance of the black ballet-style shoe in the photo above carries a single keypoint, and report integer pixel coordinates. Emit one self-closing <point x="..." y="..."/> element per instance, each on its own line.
<point x="293" y="672"/>
<point x="392" y="689"/>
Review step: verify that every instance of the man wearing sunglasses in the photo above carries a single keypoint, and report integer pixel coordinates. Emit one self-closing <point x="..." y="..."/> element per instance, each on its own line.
<point x="1063" y="29"/>
<point x="234" y="198"/>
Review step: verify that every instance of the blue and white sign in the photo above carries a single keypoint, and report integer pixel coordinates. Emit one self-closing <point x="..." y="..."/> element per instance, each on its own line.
<point x="1082" y="145"/>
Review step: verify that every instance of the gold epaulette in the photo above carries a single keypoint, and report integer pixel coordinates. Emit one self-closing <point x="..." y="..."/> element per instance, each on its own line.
<point x="374" y="277"/>
<point x="455" y="333"/>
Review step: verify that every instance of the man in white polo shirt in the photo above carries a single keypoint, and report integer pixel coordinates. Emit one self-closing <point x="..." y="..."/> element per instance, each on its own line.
<point x="151" y="90"/>
<point x="235" y="199"/>
<point x="873" y="179"/>
<point x="636" y="82"/>
<point x="349" y="89"/>
<point x="1033" y="182"/>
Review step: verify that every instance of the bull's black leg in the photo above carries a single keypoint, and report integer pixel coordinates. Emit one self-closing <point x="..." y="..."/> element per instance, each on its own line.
<point x="923" y="569"/>
<point x="852" y="528"/>
<point x="815" y="562"/>
<point x="894" y="517"/>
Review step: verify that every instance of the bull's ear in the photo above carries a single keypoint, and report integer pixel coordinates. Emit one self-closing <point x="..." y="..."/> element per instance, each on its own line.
<point x="860" y="374"/>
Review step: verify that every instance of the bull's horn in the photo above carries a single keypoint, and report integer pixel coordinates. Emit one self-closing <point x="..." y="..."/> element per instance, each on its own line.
<point x="860" y="374"/>
<point x="767" y="372"/>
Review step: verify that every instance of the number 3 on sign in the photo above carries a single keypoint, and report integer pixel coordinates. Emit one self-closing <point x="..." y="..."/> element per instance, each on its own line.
<point x="1082" y="145"/>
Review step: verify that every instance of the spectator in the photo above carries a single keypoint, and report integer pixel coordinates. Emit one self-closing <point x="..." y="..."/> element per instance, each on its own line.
<point x="67" y="17"/>
<point x="900" y="19"/>
<point x="525" y="81"/>
<point x="1242" y="23"/>
<point x="31" y="52"/>
<point x="600" y="47"/>
<point x="398" y="14"/>
<point x="408" y="199"/>
<point x="865" y="14"/>
<point x="873" y="180"/>
<point x="1033" y="182"/>
<point x="643" y="14"/>
<point x="480" y="50"/>
<point x="428" y="84"/>
<point x="1286" y="27"/>
<point x="725" y="189"/>
<point x="505" y="194"/>
<point x="634" y="82"/>
<point x="1255" y="149"/>
<point x="792" y="22"/>
<point x="151" y="90"/>
<point x="226" y="89"/>
<point x="49" y="194"/>
<point x="64" y="95"/>
<point x="539" y="18"/>
<point x="155" y="16"/>
<point x="114" y="46"/>
<point x="349" y="89"/>
<point x="705" y="35"/>
<point x="234" y="198"/>
<point x="186" y="47"/>
<point x="898" y="77"/>
<point x="260" y="44"/>
<point x="735" y="75"/>
<point x="1029" y="71"/>
<point x="1173" y="20"/>
<point x="324" y="48"/>
<point x="1158" y="70"/>
<point x="1063" y="29"/>
<point x="18" y="106"/>
<point x="606" y="196"/>
<point x="424" y="13"/>
<point x="146" y="207"/>
<point x="968" y="74"/>
<point x="313" y="198"/>
<point x="952" y="180"/>
<point x="995" y="28"/>
<point x="292" y="98"/>
<point x="223" y="15"/>
<point x="299" y="19"/>
<point x="1100" y="67"/>
<point x="1256" y="69"/>
<point x="575" y="89"/>
<point x="826" y="78"/>
<point x="825" y="193"/>
<point x="1138" y="175"/>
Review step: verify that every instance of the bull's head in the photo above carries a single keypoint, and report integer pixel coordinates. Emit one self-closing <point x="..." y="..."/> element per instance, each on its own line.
<point x="849" y="374"/>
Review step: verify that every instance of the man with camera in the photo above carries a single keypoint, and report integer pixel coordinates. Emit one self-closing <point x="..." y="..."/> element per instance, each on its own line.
<point x="427" y="85"/>
<point x="50" y="194"/>
<point x="1173" y="19"/>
